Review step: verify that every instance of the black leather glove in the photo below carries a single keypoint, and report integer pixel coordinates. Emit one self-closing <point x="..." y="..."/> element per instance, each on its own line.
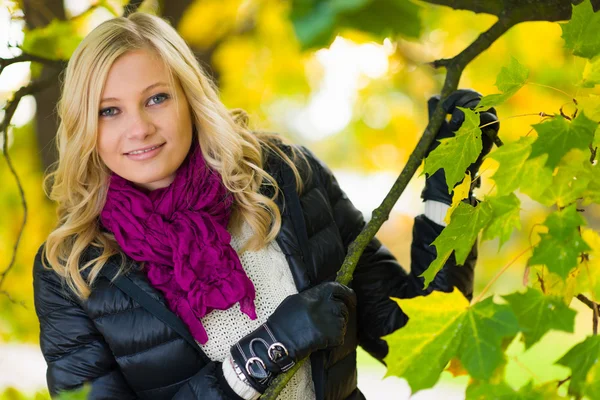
<point x="303" y="323"/>
<point x="435" y="185"/>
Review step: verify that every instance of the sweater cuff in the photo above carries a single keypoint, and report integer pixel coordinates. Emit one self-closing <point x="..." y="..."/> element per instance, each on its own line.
<point x="240" y="388"/>
<point x="436" y="211"/>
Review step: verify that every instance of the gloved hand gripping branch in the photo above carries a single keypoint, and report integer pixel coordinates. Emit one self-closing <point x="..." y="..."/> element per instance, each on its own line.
<point x="303" y="323"/>
<point x="435" y="185"/>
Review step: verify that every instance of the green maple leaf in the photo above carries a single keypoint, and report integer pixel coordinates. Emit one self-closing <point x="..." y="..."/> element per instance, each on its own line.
<point x="485" y="391"/>
<point x="421" y="349"/>
<point x="485" y="325"/>
<point x="537" y="314"/>
<point x="580" y="359"/>
<point x="505" y="218"/>
<point x="512" y="158"/>
<point x="557" y="136"/>
<point x="591" y="387"/>
<point x="590" y="104"/>
<point x="591" y="73"/>
<point x="501" y="391"/>
<point x="510" y="79"/>
<point x="592" y="193"/>
<point x="574" y="178"/>
<point x="316" y="23"/>
<point x="384" y="18"/>
<point x="493" y="100"/>
<point x="581" y="32"/>
<point x="539" y="178"/>
<point x="76" y="394"/>
<point x="57" y="40"/>
<point x="459" y="236"/>
<point x="442" y="326"/>
<point x="456" y="153"/>
<point x="560" y="247"/>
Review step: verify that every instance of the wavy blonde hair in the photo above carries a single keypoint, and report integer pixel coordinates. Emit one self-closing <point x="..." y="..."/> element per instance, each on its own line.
<point x="79" y="181"/>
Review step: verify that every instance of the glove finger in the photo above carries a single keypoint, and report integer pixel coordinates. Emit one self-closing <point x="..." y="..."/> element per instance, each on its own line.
<point x="432" y="104"/>
<point x="460" y="98"/>
<point x="344" y="294"/>
<point x="340" y="310"/>
<point x="487" y="118"/>
<point x="492" y="110"/>
<point x="458" y="117"/>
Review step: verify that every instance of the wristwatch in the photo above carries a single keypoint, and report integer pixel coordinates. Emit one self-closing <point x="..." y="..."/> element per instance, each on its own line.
<point x="238" y="371"/>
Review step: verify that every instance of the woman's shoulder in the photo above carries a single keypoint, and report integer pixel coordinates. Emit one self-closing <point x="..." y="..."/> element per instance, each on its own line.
<point x="46" y="274"/>
<point x="303" y="158"/>
<point x="50" y="291"/>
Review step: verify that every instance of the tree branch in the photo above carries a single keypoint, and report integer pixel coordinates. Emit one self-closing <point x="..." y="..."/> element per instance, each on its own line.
<point x="455" y="67"/>
<point x="518" y="10"/>
<point x="132" y="7"/>
<point x="24" y="57"/>
<point x="595" y="308"/>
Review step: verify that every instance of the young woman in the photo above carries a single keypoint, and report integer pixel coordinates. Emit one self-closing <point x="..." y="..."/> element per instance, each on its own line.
<point x="194" y="258"/>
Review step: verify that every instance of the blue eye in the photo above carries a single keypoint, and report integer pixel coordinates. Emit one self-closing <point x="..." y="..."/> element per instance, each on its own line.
<point x="163" y="96"/>
<point x="158" y="99"/>
<point x="102" y="112"/>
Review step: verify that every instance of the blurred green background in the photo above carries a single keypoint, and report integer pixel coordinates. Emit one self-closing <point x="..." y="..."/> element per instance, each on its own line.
<point x="359" y="104"/>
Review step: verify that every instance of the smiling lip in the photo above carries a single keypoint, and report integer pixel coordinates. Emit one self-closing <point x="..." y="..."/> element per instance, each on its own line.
<point x="147" y="154"/>
<point x="144" y="148"/>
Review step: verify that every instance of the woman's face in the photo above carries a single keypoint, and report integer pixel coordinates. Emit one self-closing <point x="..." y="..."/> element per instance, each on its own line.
<point x="143" y="134"/>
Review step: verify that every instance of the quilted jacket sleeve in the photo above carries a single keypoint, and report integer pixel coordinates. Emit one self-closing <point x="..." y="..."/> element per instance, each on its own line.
<point x="209" y="383"/>
<point x="74" y="350"/>
<point x="378" y="274"/>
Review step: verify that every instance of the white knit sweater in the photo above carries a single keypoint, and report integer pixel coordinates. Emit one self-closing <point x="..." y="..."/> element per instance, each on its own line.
<point x="269" y="271"/>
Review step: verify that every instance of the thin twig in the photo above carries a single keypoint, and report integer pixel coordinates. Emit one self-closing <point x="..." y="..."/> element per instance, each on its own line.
<point x="495" y="278"/>
<point x="21" y="302"/>
<point x="562" y="381"/>
<point x="583" y="298"/>
<point x="9" y="111"/>
<point x="553" y="88"/>
<point x="594" y="306"/>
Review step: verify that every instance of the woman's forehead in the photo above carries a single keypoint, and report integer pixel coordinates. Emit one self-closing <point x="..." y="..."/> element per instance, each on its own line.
<point x="135" y="73"/>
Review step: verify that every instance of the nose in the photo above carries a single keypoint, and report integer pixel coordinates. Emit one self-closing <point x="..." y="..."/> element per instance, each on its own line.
<point x="141" y="126"/>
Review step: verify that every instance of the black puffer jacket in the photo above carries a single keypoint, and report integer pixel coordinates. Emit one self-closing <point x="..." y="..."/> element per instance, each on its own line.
<point x="139" y="349"/>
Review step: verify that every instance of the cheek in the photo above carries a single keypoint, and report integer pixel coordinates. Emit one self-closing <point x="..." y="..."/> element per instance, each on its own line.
<point x="107" y="145"/>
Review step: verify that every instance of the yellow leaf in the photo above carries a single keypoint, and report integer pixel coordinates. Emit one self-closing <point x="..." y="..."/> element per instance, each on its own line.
<point x="205" y="22"/>
<point x="552" y="284"/>
<point x="461" y="191"/>
<point x="590" y="105"/>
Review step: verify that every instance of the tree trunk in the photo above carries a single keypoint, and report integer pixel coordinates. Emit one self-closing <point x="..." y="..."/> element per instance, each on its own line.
<point x="38" y="14"/>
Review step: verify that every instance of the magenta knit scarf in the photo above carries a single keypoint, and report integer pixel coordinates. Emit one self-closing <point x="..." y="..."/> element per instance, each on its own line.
<point x="180" y="233"/>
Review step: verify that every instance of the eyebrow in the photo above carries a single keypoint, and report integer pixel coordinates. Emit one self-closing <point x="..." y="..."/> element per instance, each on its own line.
<point x="143" y="91"/>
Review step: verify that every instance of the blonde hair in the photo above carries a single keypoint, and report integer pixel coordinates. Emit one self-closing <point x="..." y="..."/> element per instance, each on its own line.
<point x="79" y="181"/>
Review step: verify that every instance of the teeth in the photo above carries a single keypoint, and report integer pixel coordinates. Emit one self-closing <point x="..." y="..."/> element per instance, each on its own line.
<point x="143" y="151"/>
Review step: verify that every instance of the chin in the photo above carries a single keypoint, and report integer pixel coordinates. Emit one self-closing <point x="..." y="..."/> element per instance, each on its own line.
<point x="156" y="181"/>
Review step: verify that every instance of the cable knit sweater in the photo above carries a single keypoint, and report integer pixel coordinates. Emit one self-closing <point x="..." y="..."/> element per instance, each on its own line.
<point x="273" y="281"/>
